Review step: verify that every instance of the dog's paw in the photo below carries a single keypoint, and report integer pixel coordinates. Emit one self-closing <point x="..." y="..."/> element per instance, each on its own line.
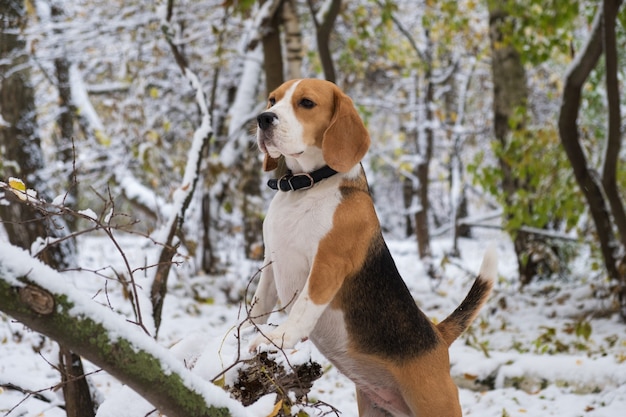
<point x="277" y="337"/>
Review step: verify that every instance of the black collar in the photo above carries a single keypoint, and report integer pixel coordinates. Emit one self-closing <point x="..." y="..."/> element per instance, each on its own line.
<point x="303" y="181"/>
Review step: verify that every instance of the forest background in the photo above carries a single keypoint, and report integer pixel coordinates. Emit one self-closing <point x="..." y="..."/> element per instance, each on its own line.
<point x="137" y="118"/>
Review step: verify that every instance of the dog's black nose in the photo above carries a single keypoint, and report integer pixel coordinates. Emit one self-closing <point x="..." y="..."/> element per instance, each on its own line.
<point x="266" y="120"/>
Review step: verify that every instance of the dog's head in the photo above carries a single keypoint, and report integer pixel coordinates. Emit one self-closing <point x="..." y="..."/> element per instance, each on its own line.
<point x="312" y="123"/>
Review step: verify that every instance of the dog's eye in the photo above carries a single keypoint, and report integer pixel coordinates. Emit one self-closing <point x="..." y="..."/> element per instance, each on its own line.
<point x="306" y="103"/>
<point x="272" y="101"/>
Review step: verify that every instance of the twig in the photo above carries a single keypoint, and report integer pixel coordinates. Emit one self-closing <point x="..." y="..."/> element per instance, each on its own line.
<point x="37" y="394"/>
<point x="102" y="222"/>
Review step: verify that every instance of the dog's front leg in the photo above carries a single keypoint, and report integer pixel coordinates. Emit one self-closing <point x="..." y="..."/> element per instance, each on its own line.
<point x="340" y="254"/>
<point x="265" y="297"/>
<point x="330" y="267"/>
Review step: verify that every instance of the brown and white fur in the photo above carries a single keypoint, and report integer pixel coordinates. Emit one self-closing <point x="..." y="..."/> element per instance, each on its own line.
<point x="325" y="258"/>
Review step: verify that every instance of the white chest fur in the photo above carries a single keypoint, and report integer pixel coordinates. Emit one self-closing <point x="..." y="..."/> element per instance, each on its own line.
<point x="295" y="223"/>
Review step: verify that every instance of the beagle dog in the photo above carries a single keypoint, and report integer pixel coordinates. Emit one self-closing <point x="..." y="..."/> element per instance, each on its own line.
<point x="327" y="262"/>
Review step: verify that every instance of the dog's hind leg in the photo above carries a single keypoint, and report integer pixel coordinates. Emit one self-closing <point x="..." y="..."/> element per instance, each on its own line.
<point x="427" y="387"/>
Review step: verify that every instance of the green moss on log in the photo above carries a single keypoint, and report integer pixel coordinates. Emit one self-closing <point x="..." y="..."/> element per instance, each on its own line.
<point x="138" y="369"/>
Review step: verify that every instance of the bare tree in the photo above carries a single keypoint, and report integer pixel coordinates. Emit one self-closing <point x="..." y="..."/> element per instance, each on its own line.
<point x="324" y="20"/>
<point x="272" y="47"/>
<point x="67" y="110"/>
<point x="597" y="190"/>
<point x="458" y="197"/>
<point x="614" y="134"/>
<point x="184" y="193"/>
<point x="420" y="140"/>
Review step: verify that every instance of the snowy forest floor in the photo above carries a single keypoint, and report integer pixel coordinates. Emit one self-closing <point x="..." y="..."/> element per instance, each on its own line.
<point x="557" y="348"/>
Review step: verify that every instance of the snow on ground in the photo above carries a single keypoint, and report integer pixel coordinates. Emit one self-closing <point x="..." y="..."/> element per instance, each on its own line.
<point x="540" y="352"/>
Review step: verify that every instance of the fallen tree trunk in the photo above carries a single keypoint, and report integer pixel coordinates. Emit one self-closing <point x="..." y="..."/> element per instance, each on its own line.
<point x="38" y="296"/>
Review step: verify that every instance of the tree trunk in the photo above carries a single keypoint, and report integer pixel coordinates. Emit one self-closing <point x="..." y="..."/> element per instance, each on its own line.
<point x="422" y="171"/>
<point x="209" y="260"/>
<point x="509" y="96"/>
<point x="183" y="196"/>
<point x="25" y="224"/>
<point x="422" y="227"/>
<point x="587" y="178"/>
<point x="20" y="144"/>
<point x="273" y="67"/>
<point x="78" y="402"/>
<point x="455" y="101"/>
<point x="273" y="55"/>
<point x="614" y="135"/>
<point x="293" y="39"/>
<point x="65" y="119"/>
<point x="407" y="199"/>
<point x="249" y="163"/>
<point x="184" y="193"/>
<point x="323" y="30"/>
<point x="252" y="206"/>
<point x="419" y="142"/>
<point x="422" y="142"/>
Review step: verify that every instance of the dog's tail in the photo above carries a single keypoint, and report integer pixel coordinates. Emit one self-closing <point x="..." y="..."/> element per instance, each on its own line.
<point x="457" y="322"/>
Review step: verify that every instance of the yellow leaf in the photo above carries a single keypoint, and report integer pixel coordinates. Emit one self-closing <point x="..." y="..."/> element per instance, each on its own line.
<point x="17" y="184"/>
<point x="154" y="93"/>
<point x="102" y="137"/>
<point x="220" y="382"/>
<point x="276" y="409"/>
<point x="19" y="188"/>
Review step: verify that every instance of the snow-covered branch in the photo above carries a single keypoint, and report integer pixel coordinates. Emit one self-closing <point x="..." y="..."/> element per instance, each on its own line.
<point x="41" y="298"/>
<point x="263" y="17"/>
<point x="183" y="194"/>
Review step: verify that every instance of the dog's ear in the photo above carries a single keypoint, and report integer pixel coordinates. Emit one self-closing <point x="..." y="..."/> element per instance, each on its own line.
<point x="269" y="163"/>
<point x="346" y="139"/>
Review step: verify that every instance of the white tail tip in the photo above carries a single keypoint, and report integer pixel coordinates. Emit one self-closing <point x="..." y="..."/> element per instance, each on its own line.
<point x="489" y="268"/>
